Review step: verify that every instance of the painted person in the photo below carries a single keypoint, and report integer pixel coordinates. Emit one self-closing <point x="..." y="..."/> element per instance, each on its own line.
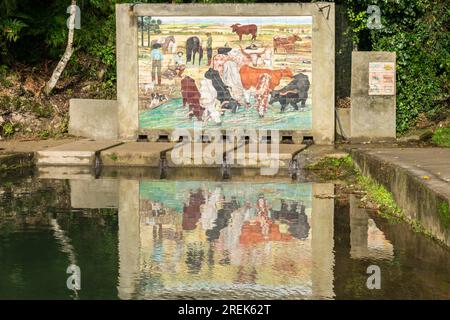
<point x="157" y="58"/>
<point x="180" y="66"/>
<point x="209" y="49"/>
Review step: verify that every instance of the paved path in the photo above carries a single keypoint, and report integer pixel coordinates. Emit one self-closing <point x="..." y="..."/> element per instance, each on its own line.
<point x="427" y="163"/>
<point x="13" y="146"/>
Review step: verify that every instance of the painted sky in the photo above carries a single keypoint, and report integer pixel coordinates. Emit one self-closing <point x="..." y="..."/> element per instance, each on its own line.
<point x="293" y="20"/>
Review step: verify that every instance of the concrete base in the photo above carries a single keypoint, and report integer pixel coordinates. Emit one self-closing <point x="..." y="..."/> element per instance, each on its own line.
<point x="75" y="153"/>
<point x="135" y="154"/>
<point x="93" y="119"/>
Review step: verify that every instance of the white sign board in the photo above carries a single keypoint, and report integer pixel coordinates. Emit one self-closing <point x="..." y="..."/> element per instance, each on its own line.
<point x="381" y="78"/>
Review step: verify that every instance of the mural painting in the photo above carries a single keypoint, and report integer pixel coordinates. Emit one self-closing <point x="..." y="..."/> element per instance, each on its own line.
<point x="225" y="72"/>
<point x="213" y="236"/>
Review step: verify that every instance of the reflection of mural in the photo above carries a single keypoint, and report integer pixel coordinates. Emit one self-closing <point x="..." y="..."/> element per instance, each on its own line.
<point x="228" y="72"/>
<point x="215" y="235"/>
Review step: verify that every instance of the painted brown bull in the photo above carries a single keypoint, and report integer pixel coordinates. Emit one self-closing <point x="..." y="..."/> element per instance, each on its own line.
<point x="245" y="29"/>
<point x="250" y="76"/>
<point x="191" y="97"/>
<point x="263" y="81"/>
<point x="287" y="43"/>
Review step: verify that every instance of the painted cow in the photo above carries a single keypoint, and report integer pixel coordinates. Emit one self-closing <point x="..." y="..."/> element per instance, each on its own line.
<point x="191" y="97"/>
<point x="293" y="93"/>
<point x="250" y="76"/>
<point x="223" y="94"/>
<point x="262" y="81"/>
<point x="245" y="29"/>
<point x="285" y="42"/>
<point x="232" y="79"/>
<point x="253" y="55"/>
<point x="208" y="100"/>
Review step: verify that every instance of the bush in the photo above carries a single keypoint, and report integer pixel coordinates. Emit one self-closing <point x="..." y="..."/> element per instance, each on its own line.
<point x="442" y="137"/>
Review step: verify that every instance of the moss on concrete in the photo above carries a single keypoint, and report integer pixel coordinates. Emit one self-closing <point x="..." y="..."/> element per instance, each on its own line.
<point x="444" y="214"/>
<point x="113" y="157"/>
<point x="334" y="168"/>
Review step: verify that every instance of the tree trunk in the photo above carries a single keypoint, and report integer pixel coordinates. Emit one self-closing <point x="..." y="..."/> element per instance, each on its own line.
<point x="67" y="54"/>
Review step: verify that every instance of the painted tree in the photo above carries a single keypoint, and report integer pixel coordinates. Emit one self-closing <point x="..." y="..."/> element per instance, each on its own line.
<point x="151" y="26"/>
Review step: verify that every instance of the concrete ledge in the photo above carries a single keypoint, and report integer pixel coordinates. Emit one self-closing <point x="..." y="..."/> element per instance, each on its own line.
<point x="79" y="153"/>
<point x="421" y="199"/>
<point x="93" y="119"/>
<point x="135" y="154"/>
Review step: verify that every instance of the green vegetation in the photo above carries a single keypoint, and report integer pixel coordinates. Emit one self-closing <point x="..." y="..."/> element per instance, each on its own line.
<point x="417" y="30"/>
<point x="442" y="137"/>
<point x="378" y="194"/>
<point x="334" y="168"/>
<point x="113" y="157"/>
<point x="444" y="214"/>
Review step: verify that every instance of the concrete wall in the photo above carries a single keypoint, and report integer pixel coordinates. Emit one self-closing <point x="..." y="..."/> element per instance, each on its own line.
<point x="323" y="55"/>
<point x="344" y="118"/>
<point x="372" y="117"/>
<point x="94" y="119"/>
<point x="127" y="71"/>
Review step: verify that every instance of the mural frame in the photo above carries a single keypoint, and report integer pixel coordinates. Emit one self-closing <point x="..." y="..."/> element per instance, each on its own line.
<point x="323" y="59"/>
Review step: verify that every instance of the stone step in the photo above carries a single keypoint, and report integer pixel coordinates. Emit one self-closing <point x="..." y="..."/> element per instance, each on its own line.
<point x="198" y="154"/>
<point x="258" y="155"/>
<point x="136" y="154"/>
<point x="77" y="153"/>
<point x="243" y="155"/>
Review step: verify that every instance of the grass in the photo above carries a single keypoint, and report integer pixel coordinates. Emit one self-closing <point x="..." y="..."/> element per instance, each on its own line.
<point x="334" y="168"/>
<point x="442" y="137"/>
<point x="113" y="157"/>
<point x="379" y="195"/>
<point x="444" y="214"/>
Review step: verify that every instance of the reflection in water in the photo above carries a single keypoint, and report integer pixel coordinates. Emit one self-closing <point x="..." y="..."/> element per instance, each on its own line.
<point x="162" y="239"/>
<point x="225" y="240"/>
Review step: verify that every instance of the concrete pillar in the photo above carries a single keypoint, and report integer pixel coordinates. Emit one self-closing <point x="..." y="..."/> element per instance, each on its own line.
<point x="127" y="71"/>
<point x="129" y="238"/>
<point x="372" y="116"/>
<point x="323" y="59"/>
<point x="322" y="241"/>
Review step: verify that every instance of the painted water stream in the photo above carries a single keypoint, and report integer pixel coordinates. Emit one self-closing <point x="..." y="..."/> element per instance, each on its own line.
<point x="184" y="238"/>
